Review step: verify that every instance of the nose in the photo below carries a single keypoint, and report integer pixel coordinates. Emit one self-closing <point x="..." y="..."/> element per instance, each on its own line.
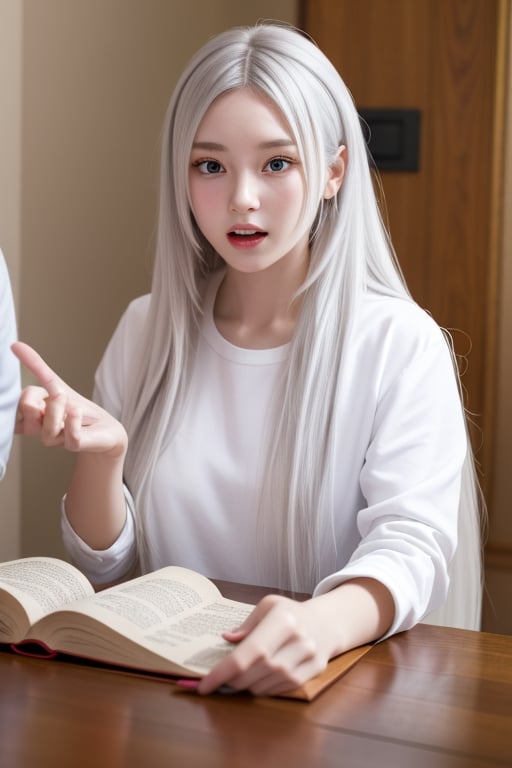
<point x="244" y="193"/>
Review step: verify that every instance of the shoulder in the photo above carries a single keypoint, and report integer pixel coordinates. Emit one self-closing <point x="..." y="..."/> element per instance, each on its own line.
<point x="120" y="356"/>
<point x="392" y="336"/>
<point x="399" y="322"/>
<point x="135" y="313"/>
<point x="130" y="327"/>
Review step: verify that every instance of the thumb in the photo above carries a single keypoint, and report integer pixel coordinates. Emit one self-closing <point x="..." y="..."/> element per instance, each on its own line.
<point x="236" y="634"/>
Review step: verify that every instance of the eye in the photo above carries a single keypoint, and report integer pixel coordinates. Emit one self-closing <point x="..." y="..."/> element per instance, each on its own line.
<point x="208" y="167"/>
<point x="278" y="164"/>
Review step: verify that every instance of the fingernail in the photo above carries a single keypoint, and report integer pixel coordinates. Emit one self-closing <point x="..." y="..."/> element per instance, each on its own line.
<point x="193" y="685"/>
<point x="226" y="689"/>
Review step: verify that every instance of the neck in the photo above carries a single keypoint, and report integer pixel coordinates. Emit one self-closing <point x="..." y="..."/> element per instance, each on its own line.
<point x="256" y="310"/>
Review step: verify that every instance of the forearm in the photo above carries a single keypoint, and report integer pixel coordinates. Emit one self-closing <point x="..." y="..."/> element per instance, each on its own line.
<point x="357" y="612"/>
<point x="95" y="502"/>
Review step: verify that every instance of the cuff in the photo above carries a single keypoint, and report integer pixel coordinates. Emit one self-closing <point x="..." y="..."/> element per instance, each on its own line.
<point x="108" y="565"/>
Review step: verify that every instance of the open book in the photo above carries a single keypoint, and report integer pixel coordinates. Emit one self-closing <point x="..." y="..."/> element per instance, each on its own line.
<point x="167" y="623"/>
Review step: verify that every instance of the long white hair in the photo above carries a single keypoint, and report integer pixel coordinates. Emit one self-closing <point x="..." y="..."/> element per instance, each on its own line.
<point x="350" y="252"/>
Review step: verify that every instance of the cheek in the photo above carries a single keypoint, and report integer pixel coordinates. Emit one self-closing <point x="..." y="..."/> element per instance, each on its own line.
<point x="291" y="197"/>
<point x="201" y="199"/>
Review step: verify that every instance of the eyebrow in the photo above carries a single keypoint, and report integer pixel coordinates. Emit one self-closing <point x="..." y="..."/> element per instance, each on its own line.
<point x="213" y="146"/>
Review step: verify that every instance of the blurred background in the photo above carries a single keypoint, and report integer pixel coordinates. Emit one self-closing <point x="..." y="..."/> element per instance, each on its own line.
<point x="84" y="85"/>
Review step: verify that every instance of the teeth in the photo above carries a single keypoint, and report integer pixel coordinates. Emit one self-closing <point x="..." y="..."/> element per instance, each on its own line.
<point x="245" y="231"/>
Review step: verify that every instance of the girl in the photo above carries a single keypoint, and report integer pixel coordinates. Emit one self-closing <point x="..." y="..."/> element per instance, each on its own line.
<point x="278" y="411"/>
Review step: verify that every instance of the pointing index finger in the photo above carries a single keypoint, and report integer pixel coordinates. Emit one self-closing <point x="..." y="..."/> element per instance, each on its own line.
<point x="33" y="362"/>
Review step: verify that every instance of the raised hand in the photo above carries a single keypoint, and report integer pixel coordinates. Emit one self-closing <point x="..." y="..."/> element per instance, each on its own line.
<point x="62" y="417"/>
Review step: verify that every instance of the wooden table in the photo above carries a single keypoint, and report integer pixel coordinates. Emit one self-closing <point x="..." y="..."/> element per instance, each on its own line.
<point x="428" y="698"/>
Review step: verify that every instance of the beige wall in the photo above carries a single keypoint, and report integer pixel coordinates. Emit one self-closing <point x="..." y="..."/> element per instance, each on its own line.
<point x="87" y="83"/>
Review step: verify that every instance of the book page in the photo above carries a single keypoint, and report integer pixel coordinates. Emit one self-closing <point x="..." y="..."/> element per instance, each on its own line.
<point x="195" y="641"/>
<point x="174" y="613"/>
<point x="40" y="585"/>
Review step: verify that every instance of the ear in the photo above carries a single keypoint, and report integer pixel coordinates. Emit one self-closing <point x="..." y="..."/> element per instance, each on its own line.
<point x="336" y="174"/>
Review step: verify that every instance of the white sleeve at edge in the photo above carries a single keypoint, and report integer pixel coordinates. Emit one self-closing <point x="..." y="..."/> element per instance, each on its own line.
<point x="102" y="566"/>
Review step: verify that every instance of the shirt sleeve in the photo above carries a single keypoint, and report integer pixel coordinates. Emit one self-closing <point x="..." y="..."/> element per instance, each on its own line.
<point x="411" y="481"/>
<point x="108" y="565"/>
<point x="9" y="367"/>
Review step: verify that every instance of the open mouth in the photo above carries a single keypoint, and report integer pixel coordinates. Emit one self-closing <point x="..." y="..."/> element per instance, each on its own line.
<point x="246" y="236"/>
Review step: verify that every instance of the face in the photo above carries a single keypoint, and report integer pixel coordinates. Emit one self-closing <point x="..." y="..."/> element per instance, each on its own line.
<point x="247" y="184"/>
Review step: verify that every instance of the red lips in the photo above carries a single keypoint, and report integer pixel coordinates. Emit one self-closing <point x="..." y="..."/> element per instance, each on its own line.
<point x="246" y="237"/>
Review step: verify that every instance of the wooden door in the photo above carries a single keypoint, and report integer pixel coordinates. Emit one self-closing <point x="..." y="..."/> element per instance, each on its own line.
<point x="446" y="58"/>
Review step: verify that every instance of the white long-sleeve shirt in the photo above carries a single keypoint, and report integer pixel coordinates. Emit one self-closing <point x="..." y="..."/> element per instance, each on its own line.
<point x="9" y="367"/>
<point x="400" y="445"/>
